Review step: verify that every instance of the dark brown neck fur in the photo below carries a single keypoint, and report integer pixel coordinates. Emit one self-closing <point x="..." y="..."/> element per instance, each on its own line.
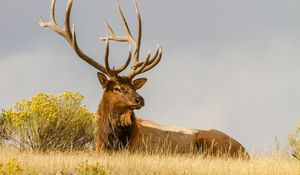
<point x="115" y="125"/>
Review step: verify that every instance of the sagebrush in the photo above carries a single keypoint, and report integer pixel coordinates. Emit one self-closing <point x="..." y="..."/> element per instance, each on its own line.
<point x="85" y="168"/>
<point x="13" y="167"/>
<point x="50" y="122"/>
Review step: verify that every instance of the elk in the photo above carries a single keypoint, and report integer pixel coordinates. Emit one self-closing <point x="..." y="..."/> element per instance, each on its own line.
<point x="117" y="126"/>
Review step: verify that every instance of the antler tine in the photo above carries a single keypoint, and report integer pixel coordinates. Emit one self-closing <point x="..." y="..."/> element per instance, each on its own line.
<point x="128" y="36"/>
<point x="124" y="21"/>
<point x="52" y="11"/>
<point x="52" y="23"/>
<point x="138" y="70"/>
<point x="111" y="32"/>
<point x="110" y="72"/>
<point x="127" y="62"/>
<point x="84" y="56"/>
<point x="154" y="62"/>
<point x="139" y="35"/>
<point x="121" y="38"/>
<point x="68" y="35"/>
<point x="142" y="67"/>
<point x="113" y="72"/>
<point x="150" y="61"/>
<point x="155" y="55"/>
<point x="67" y="18"/>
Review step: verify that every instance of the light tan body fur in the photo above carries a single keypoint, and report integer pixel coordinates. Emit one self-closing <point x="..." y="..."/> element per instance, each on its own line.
<point x="153" y="137"/>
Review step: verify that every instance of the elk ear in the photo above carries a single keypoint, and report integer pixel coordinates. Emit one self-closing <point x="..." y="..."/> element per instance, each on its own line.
<point x="103" y="80"/>
<point x="139" y="83"/>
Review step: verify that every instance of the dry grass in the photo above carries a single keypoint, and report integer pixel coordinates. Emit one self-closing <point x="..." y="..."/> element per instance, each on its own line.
<point x="127" y="163"/>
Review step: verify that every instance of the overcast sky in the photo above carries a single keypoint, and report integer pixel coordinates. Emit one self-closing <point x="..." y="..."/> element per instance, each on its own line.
<point x="233" y="65"/>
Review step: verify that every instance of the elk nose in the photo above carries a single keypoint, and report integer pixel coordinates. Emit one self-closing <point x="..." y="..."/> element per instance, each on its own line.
<point x="140" y="101"/>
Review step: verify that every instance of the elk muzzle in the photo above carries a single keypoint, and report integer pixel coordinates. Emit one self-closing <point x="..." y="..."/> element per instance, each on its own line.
<point x="139" y="102"/>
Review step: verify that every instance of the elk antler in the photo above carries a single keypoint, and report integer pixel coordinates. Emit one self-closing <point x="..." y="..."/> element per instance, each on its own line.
<point x="138" y="67"/>
<point x="71" y="39"/>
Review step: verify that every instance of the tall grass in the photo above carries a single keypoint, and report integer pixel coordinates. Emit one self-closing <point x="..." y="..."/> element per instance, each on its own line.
<point x="294" y="142"/>
<point x="126" y="163"/>
<point x="3" y="130"/>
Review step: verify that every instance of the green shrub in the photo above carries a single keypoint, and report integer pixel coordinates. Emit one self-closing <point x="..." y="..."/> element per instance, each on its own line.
<point x="50" y="122"/>
<point x="294" y="142"/>
<point x="87" y="169"/>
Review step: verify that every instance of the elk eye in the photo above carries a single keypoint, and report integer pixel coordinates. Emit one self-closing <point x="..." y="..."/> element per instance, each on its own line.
<point x="117" y="89"/>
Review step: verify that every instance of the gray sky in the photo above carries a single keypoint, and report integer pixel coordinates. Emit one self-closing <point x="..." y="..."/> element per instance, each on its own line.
<point x="232" y="65"/>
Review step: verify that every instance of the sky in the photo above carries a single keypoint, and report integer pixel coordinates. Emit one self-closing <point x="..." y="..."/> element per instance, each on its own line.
<point x="232" y="65"/>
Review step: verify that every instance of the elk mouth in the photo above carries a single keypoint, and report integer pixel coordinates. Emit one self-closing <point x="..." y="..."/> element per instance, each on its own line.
<point x="136" y="106"/>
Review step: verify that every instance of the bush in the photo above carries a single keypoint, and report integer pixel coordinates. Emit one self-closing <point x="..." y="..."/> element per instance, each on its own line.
<point x="50" y="122"/>
<point x="3" y="131"/>
<point x="13" y="167"/>
<point x="87" y="169"/>
<point x="294" y="142"/>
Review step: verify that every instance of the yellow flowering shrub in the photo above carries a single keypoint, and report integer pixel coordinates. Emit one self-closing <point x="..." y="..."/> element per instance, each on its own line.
<point x="50" y="122"/>
<point x="294" y="142"/>
<point x="13" y="167"/>
<point x="86" y="169"/>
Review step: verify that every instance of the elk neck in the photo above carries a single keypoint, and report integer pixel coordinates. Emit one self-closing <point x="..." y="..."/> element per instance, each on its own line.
<point x="115" y="124"/>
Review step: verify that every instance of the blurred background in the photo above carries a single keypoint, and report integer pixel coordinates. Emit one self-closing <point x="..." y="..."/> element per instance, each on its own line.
<point x="232" y="65"/>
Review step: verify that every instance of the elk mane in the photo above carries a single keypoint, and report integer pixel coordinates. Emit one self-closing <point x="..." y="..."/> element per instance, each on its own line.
<point x="115" y="128"/>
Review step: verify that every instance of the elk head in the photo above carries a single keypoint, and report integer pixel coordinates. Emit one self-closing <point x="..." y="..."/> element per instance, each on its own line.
<point x="119" y="90"/>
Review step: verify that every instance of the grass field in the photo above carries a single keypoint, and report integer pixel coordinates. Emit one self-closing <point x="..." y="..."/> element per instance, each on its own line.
<point x="130" y="164"/>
